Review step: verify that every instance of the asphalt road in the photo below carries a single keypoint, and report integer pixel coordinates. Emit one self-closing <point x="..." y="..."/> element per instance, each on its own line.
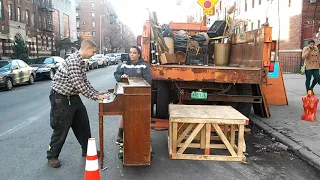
<point x="25" y="134"/>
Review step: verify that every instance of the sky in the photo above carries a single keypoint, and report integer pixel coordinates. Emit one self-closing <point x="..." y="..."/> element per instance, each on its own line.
<point x="134" y="12"/>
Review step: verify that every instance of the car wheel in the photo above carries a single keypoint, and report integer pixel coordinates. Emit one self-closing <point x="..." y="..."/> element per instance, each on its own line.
<point x="51" y="74"/>
<point x="9" y="84"/>
<point x="31" y="79"/>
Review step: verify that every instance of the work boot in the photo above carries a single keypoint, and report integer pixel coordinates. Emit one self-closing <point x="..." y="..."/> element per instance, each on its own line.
<point x="84" y="154"/>
<point x="54" y="162"/>
<point x="120" y="136"/>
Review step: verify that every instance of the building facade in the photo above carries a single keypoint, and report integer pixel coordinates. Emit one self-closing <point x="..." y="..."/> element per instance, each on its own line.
<point x="30" y="19"/>
<point x="294" y="23"/>
<point x="91" y="19"/>
<point x="64" y="18"/>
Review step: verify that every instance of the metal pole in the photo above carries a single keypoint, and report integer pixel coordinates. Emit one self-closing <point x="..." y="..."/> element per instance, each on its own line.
<point x="100" y="32"/>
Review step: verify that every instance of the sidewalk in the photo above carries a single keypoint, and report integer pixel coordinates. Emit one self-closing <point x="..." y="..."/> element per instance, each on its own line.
<point x="286" y="126"/>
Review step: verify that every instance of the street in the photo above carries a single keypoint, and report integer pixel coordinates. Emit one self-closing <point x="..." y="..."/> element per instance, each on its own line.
<point x="25" y="133"/>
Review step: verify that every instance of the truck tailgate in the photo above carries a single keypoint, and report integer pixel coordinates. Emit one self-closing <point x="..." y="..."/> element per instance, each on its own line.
<point x="219" y="74"/>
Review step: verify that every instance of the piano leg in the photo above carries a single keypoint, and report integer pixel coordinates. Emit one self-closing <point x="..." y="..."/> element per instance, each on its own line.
<point x="101" y="140"/>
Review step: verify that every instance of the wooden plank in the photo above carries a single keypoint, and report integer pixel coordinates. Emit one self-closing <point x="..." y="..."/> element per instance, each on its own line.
<point x="232" y="135"/>
<point x="207" y="157"/>
<point x="191" y="137"/>
<point x="240" y="140"/>
<point x="203" y="138"/>
<point x="224" y="140"/>
<point x="211" y="146"/>
<point x="185" y="132"/>
<point x="207" y="140"/>
<point x="174" y="137"/>
<point x="206" y="113"/>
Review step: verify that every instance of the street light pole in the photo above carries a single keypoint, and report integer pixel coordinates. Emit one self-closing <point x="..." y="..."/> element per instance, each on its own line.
<point x="101" y="32"/>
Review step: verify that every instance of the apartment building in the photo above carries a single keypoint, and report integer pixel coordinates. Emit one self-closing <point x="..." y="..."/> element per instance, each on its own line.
<point x="30" y="19"/>
<point x="64" y="19"/>
<point x="91" y="19"/>
<point x="294" y="22"/>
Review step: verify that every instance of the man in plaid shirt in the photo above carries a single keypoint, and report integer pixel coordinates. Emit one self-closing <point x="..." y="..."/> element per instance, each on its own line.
<point x="67" y="109"/>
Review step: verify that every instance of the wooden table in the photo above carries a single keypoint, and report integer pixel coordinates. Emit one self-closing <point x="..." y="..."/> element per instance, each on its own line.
<point x="187" y="122"/>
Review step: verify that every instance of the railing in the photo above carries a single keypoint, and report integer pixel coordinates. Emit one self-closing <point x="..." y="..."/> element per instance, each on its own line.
<point x="290" y="64"/>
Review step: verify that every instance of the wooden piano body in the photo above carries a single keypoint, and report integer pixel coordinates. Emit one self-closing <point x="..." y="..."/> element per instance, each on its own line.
<point x="132" y="100"/>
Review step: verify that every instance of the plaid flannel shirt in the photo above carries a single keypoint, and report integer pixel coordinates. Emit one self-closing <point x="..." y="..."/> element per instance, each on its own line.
<point x="71" y="79"/>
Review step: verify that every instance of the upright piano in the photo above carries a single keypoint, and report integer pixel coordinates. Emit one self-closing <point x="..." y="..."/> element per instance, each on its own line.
<point x="132" y="101"/>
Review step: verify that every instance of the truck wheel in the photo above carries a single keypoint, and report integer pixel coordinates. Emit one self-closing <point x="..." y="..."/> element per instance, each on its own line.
<point x="162" y="100"/>
<point x="244" y="108"/>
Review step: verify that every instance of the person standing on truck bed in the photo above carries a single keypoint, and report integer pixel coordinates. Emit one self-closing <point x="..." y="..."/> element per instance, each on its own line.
<point x="310" y="54"/>
<point x="67" y="109"/>
<point x="134" y="67"/>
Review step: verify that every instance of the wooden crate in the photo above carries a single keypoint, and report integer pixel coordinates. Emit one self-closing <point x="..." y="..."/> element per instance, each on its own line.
<point x="197" y="122"/>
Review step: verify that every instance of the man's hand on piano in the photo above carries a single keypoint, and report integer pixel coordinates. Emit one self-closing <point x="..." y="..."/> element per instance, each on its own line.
<point x="102" y="97"/>
<point x="124" y="76"/>
<point x="103" y="92"/>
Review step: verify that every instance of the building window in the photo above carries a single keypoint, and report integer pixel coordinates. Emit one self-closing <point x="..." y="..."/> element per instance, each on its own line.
<point x="253" y="4"/>
<point x="258" y="23"/>
<point x="27" y="17"/>
<point x="44" y="23"/>
<point x="77" y="14"/>
<point x="19" y="14"/>
<point x="289" y="5"/>
<point x="245" y="5"/>
<point x="93" y="14"/>
<point x="84" y="23"/>
<point x="92" y="4"/>
<point x="10" y="12"/>
<point x="93" y="24"/>
<point x="78" y="34"/>
<point x="78" y="24"/>
<point x="40" y="24"/>
<point x="81" y="4"/>
<point x="93" y="33"/>
<point x="34" y="19"/>
<point x="259" y="2"/>
<point x="252" y="26"/>
<point x="245" y="28"/>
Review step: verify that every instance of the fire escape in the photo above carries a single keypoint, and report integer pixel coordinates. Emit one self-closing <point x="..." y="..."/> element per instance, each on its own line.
<point x="45" y="6"/>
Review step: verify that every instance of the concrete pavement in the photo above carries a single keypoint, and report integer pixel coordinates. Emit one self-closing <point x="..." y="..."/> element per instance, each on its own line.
<point x="285" y="124"/>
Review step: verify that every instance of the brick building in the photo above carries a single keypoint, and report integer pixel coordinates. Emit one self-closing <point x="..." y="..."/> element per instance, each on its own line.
<point x="30" y="19"/>
<point x="294" y="22"/>
<point x="89" y="14"/>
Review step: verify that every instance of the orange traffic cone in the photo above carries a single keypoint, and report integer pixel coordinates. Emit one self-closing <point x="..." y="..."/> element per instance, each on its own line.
<point x="92" y="171"/>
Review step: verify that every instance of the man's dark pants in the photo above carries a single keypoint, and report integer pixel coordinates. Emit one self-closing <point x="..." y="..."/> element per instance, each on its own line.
<point x="63" y="116"/>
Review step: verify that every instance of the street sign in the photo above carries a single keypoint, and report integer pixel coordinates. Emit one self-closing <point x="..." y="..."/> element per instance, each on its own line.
<point x="207" y="4"/>
<point x="207" y="11"/>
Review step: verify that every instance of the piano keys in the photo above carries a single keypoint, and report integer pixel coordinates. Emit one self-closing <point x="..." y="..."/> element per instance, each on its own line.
<point x="131" y="101"/>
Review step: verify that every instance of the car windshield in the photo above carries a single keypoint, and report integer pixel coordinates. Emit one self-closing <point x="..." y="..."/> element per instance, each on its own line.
<point x="5" y="65"/>
<point x="97" y="56"/>
<point x="48" y="61"/>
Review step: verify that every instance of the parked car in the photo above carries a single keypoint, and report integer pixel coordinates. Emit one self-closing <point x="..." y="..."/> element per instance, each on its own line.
<point x="15" y="71"/>
<point x="100" y="60"/>
<point x="47" y="66"/>
<point x="111" y="58"/>
<point x="124" y="57"/>
<point x="93" y="64"/>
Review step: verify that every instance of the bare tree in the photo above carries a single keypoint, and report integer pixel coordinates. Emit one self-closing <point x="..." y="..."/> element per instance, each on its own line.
<point x="117" y="36"/>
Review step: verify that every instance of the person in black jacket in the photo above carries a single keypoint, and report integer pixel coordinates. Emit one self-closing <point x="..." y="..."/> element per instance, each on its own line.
<point x="134" y="67"/>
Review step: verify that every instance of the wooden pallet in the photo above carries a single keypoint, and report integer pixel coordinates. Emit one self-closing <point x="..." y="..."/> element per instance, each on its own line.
<point x="197" y="124"/>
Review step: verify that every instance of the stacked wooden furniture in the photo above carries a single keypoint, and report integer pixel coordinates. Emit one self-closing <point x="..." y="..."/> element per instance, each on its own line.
<point x="133" y="102"/>
<point x="189" y="123"/>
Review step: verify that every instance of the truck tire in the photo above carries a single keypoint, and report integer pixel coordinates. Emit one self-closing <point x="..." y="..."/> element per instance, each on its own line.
<point x="162" y="100"/>
<point x="244" y="108"/>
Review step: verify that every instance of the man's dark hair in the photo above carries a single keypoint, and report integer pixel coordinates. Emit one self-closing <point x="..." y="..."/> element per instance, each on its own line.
<point x="138" y="49"/>
<point x="88" y="43"/>
<point x="311" y="41"/>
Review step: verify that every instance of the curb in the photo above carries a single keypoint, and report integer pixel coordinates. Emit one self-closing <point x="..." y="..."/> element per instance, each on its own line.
<point x="303" y="152"/>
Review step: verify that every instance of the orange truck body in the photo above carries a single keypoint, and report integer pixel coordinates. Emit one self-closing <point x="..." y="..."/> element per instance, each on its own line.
<point x="249" y="83"/>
